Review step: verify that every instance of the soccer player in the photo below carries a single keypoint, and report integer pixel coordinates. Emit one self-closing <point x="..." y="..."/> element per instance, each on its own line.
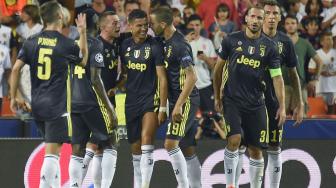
<point x="247" y="54"/>
<point x="183" y="100"/>
<point x="93" y="116"/>
<point x="142" y="57"/>
<point x="288" y="59"/>
<point x="109" y="25"/>
<point x="49" y="55"/>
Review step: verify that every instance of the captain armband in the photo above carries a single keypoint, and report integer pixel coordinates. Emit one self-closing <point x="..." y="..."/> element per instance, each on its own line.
<point x="275" y="72"/>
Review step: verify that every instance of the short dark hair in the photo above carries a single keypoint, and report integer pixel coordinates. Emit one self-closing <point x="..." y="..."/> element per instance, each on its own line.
<point x="325" y="34"/>
<point x="291" y="16"/>
<point x="103" y="16"/>
<point x="270" y="3"/>
<point x="49" y="12"/>
<point x="257" y="6"/>
<point x="193" y="18"/>
<point x="308" y="10"/>
<point x="33" y="12"/>
<point x="163" y="14"/>
<point x="176" y="12"/>
<point x="222" y="8"/>
<point x="136" y="14"/>
<point x="131" y="2"/>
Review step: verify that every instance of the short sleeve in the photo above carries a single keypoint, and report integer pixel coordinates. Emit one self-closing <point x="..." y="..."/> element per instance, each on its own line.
<point x="185" y="57"/>
<point x="310" y="50"/>
<point x="158" y="54"/>
<point x="96" y="56"/>
<point x="290" y="57"/>
<point x="224" y="49"/>
<point x="273" y="58"/>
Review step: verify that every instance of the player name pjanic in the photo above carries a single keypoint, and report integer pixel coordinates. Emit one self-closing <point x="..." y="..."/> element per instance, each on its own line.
<point x="47" y="41"/>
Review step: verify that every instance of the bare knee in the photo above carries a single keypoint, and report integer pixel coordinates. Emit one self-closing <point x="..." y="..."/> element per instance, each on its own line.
<point x="234" y="142"/>
<point x="136" y="148"/>
<point x="255" y="152"/>
<point x="171" y="144"/>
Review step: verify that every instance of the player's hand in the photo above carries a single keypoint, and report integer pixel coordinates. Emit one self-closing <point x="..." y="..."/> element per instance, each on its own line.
<point x="281" y="116"/>
<point x="81" y="22"/>
<point x="218" y="106"/>
<point x="311" y="87"/>
<point x="13" y="105"/>
<point x="162" y="116"/>
<point x="202" y="57"/>
<point x="111" y="92"/>
<point x="177" y="114"/>
<point x="298" y="114"/>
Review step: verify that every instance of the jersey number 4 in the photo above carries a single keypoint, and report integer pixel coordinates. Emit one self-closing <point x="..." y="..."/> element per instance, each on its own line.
<point x="79" y="71"/>
<point x="44" y="67"/>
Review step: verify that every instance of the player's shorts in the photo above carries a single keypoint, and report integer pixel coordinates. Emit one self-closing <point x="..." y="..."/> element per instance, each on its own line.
<point x="185" y="130"/>
<point x="91" y="125"/>
<point x="56" y="131"/>
<point x="252" y="125"/>
<point x="134" y="117"/>
<point x="275" y="132"/>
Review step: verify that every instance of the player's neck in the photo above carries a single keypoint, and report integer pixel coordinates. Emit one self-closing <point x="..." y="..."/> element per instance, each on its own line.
<point x="138" y="40"/>
<point x="169" y="32"/>
<point x="54" y="27"/>
<point x="107" y="38"/>
<point x="269" y="32"/>
<point x="252" y="35"/>
<point x="326" y="49"/>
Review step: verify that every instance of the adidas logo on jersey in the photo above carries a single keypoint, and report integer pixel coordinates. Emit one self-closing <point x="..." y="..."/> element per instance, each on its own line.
<point x="250" y="62"/>
<point x="239" y="49"/>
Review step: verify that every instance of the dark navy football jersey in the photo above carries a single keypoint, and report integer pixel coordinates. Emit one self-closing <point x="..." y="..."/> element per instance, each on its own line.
<point x="109" y="73"/>
<point x="178" y="56"/>
<point x="248" y="60"/>
<point x="288" y="59"/>
<point x="140" y="61"/>
<point x="83" y="94"/>
<point x="49" y="55"/>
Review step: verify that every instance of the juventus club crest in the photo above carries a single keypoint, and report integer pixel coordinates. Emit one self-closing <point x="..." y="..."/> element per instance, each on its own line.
<point x="262" y="49"/>
<point x="169" y="51"/>
<point x="280" y="47"/>
<point x="251" y="50"/>
<point x="136" y="53"/>
<point x="147" y="52"/>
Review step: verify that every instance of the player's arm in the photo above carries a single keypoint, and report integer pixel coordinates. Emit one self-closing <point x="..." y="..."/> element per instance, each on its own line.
<point x="82" y="43"/>
<point x="15" y="77"/>
<point x="295" y="83"/>
<point x="98" y="85"/>
<point x="217" y="83"/>
<point x="189" y="84"/>
<point x="163" y="83"/>
<point x="279" y="88"/>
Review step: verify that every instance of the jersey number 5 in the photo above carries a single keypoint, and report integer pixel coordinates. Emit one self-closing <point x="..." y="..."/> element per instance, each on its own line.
<point x="44" y="67"/>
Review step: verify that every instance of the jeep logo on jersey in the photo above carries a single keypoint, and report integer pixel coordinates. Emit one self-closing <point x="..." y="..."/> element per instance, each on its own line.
<point x="137" y="66"/>
<point x="250" y="62"/>
<point x="136" y="53"/>
<point x="99" y="58"/>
